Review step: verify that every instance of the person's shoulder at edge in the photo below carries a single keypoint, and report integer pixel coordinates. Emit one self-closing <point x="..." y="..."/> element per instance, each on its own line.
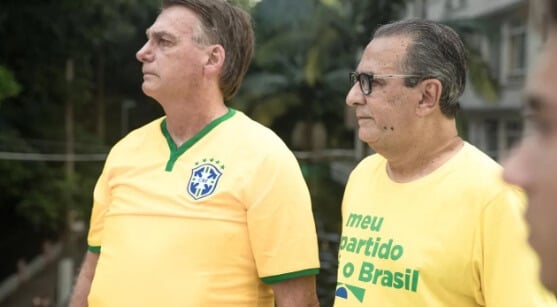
<point x="481" y="168"/>
<point x="484" y="177"/>
<point x="256" y="135"/>
<point x="369" y="163"/>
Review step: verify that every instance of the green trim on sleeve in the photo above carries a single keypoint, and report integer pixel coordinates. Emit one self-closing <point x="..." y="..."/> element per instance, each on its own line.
<point x="278" y="278"/>
<point x="94" y="249"/>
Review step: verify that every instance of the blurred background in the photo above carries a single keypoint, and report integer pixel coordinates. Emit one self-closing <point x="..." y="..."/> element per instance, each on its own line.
<point x="70" y="87"/>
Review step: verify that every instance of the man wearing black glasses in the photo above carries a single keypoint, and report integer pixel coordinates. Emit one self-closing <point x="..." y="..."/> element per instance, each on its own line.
<point x="427" y="221"/>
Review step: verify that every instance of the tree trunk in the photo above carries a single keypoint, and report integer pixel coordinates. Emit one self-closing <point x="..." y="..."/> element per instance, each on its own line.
<point x="101" y="104"/>
<point x="69" y="121"/>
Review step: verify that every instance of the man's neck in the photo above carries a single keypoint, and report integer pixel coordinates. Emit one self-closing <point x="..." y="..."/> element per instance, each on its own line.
<point x="425" y="156"/>
<point x="185" y="120"/>
<point x="416" y="165"/>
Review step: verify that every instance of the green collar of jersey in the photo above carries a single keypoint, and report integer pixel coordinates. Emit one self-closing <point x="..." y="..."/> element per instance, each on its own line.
<point x="176" y="152"/>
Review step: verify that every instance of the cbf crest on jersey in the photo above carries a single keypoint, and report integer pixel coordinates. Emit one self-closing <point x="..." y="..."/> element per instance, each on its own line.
<point x="204" y="178"/>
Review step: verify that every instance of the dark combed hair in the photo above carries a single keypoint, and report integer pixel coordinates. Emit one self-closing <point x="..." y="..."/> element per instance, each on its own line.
<point x="436" y="51"/>
<point x="552" y="12"/>
<point x="230" y="27"/>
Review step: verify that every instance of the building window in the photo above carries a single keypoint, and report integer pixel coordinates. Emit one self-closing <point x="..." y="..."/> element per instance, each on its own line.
<point x="491" y="127"/>
<point x="513" y="132"/>
<point x="500" y="135"/>
<point x="494" y="55"/>
<point x="455" y="4"/>
<point x="516" y="50"/>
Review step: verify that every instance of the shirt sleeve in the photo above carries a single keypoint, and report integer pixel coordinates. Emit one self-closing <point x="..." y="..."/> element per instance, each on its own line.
<point x="507" y="266"/>
<point x="280" y="220"/>
<point x="101" y="199"/>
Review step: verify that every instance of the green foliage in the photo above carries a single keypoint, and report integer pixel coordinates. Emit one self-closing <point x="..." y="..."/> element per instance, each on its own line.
<point x="483" y="83"/>
<point x="480" y="78"/>
<point x="305" y="49"/>
<point x="326" y="197"/>
<point x="39" y="39"/>
<point x="8" y="85"/>
<point x="97" y="35"/>
<point x="27" y="188"/>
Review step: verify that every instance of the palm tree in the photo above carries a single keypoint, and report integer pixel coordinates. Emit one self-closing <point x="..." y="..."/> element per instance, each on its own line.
<point x="305" y="49"/>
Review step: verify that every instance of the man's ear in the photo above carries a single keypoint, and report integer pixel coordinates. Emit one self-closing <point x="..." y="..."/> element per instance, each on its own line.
<point x="431" y="94"/>
<point x="215" y="59"/>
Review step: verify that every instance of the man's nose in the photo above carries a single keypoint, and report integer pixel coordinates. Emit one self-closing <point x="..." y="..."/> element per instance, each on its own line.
<point x="144" y="54"/>
<point x="355" y="95"/>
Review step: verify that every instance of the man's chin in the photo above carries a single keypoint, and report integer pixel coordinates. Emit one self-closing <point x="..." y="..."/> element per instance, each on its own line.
<point x="148" y="91"/>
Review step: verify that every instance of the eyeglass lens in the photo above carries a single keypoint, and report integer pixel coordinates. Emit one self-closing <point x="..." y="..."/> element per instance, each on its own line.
<point x="363" y="79"/>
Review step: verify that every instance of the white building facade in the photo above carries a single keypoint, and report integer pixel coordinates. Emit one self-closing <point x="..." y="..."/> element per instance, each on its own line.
<point x="508" y="42"/>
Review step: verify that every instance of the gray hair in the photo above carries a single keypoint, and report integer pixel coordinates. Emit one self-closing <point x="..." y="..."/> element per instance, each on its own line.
<point x="229" y="26"/>
<point x="436" y="52"/>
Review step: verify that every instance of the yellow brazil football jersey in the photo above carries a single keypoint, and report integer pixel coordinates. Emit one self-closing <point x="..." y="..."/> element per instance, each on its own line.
<point x="211" y="223"/>
<point x="455" y="238"/>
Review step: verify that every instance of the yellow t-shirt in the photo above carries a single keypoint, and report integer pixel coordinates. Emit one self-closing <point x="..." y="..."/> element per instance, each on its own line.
<point x="455" y="237"/>
<point x="211" y="223"/>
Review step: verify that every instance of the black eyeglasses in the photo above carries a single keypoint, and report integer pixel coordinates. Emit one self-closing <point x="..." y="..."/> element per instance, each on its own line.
<point x="366" y="79"/>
